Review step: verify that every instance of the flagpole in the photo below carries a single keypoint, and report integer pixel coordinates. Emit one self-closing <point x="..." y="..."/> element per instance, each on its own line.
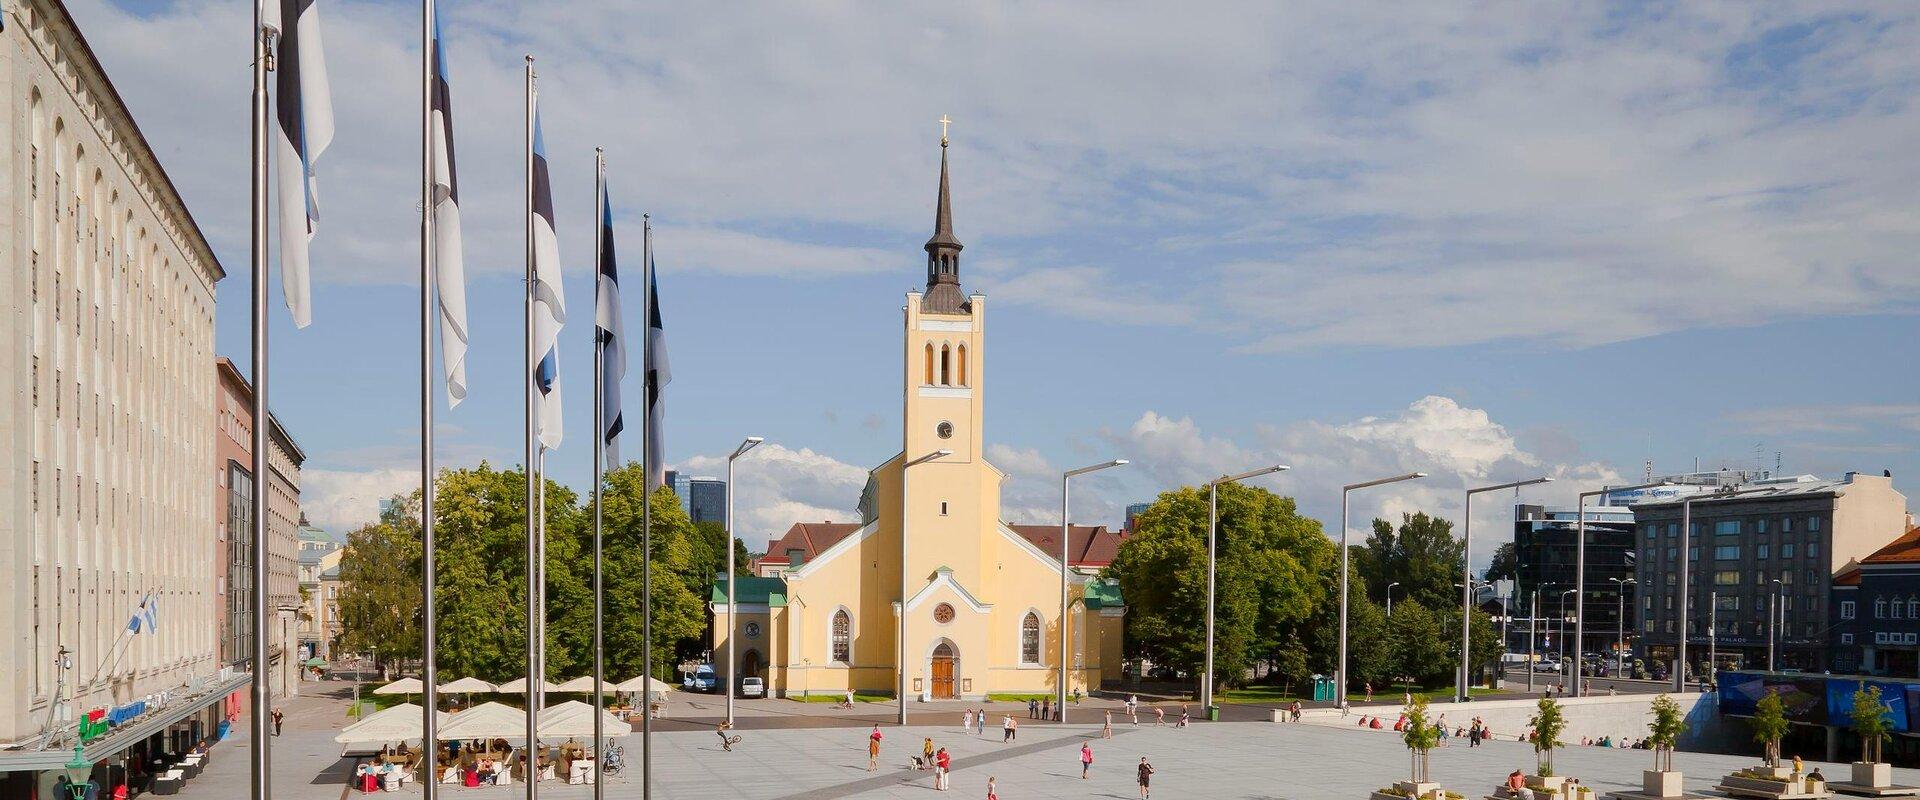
<point x="539" y="685"/>
<point x="430" y="691"/>
<point x="646" y="507"/>
<point x="599" y="445"/>
<point x="261" y="727"/>
<point x="531" y="771"/>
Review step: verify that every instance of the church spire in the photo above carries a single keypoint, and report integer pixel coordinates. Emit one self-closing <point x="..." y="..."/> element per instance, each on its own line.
<point x="943" y="250"/>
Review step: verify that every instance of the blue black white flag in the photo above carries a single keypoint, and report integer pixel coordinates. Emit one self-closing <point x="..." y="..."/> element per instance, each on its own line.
<point x="143" y="617"/>
<point x="304" y="115"/>
<point x="449" y="265"/>
<point x="610" y="332"/>
<point x="658" y="376"/>
<point x="549" y="303"/>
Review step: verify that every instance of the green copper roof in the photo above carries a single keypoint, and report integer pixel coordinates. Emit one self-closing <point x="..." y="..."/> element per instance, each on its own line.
<point x="1104" y="594"/>
<point x="771" y="591"/>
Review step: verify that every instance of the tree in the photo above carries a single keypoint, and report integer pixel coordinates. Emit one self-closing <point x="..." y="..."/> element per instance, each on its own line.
<point x="1419" y="644"/>
<point x="679" y="584"/>
<point x="1870" y="721"/>
<point x="380" y="589"/>
<point x="1506" y="564"/>
<point x="1547" y="724"/>
<point x="1273" y="579"/>
<point x="1665" y="732"/>
<point x="1770" y="725"/>
<point x="1421" y="555"/>
<point x="1421" y="736"/>
<point x="1291" y="663"/>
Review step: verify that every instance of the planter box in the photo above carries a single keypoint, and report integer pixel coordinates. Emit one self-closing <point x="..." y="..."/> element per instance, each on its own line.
<point x="1876" y="774"/>
<point x="1788" y="788"/>
<point x="1421" y="789"/>
<point x="1656" y="783"/>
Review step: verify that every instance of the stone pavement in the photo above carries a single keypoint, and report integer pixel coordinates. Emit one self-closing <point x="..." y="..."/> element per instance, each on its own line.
<point x="1228" y="759"/>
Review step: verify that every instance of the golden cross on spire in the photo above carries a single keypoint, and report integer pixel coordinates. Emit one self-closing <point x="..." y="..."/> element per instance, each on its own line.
<point x="944" y="122"/>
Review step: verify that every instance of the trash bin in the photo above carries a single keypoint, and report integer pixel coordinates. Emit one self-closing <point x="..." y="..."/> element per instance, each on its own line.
<point x="1213" y="713"/>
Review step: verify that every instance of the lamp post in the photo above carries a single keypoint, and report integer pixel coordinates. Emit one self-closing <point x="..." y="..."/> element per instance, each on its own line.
<point x="1561" y="620"/>
<point x="79" y="773"/>
<point x="1066" y="479"/>
<point x="1340" y="676"/>
<point x="1620" y="623"/>
<point x="1533" y="621"/>
<point x="1580" y="571"/>
<point x="1713" y="640"/>
<point x="900" y="617"/>
<point x="1466" y="592"/>
<point x="733" y="601"/>
<point x="1213" y="534"/>
<point x="1773" y="608"/>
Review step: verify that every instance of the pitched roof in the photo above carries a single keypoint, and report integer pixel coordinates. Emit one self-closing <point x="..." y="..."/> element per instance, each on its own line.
<point x="753" y="589"/>
<point x="1091" y="546"/>
<point x="1902" y="550"/>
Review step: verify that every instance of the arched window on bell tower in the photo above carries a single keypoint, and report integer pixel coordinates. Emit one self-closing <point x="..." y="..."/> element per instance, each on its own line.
<point x="960" y="366"/>
<point x="946" y="365"/>
<point x="929" y="370"/>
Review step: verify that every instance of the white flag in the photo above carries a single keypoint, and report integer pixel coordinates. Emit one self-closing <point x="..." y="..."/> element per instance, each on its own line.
<point x="549" y="303"/>
<point x="448" y="263"/>
<point x="304" y="128"/>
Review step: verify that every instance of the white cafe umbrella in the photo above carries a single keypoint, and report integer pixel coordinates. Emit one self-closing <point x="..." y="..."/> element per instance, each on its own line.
<point x="519" y="686"/>
<point x="487" y="721"/>
<point x="466" y="686"/>
<point x="406" y="686"/>
<point x="574" y="719"/>
<point x="582" y="685"/>
<point x="655" y="687"/>
<point x="397" y="724"/>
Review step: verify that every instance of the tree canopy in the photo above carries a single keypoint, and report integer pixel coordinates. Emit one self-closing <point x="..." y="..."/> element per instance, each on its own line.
<point x="1421" y="555"/>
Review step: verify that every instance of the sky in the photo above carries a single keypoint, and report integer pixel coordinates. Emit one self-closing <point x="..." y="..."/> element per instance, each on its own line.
<point x="1487" y="242"/>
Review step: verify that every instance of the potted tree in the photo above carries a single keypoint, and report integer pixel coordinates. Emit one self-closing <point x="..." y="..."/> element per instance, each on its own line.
<point x="1770" y="779"/>
<point x="1421" y="735"/>
<point x="1663" y="733"/>
<point x="1871" y="722"/>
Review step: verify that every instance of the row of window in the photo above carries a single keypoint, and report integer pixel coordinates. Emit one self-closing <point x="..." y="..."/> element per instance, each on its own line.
<point x="1884" y="608"/>
<point x="1725" y="628"/>
<point x="841" y="640"/>
<point x="1762" y="552"/>
<point x="946" y="367"/>
<point x="1729" y="527"/>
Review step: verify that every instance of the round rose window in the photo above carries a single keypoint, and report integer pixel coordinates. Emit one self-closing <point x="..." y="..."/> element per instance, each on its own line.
<point x="943" y="613"/>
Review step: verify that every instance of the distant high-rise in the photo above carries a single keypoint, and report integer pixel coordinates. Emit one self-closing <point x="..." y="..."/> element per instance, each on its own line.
<point x="1134" y="510"/>
<point x="703" y="498"/>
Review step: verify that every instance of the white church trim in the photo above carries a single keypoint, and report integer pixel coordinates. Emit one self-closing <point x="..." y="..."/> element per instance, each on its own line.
<point x="944" y="577"/>
<point x="842" y="546"/>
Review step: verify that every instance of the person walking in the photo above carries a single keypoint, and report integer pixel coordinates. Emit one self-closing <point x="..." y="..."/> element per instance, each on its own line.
<point x="1106" y="727"/>
<point x="873" y="749"/>
<point x="966" y="720"/>
<point x="1006" y="729"/>
<point x="926" y="753"/>
<point x="1046" y="708"/>
<point x="1016" y="728"/>
<point x="942" y="762"/>
<point x="1369" y="690"/>
<point x="1183" y="716"/>
<point x="1160" y="715"/>
<point x="1145" y="774"/>
<point x="1033" y="708"/>
<point x="1133" y="708"/>
<point x="279" y="717"/>
<point x="1406" y="697"/>
<point x="991" y="780"/>
<point x="1086" y="759"/>
<point x="980" y="723"/>
<point x="1293" y="711"/>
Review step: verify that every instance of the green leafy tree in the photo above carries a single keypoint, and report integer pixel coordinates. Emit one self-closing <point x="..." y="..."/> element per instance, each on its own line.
<point x="1548" y="723"/>
<point x="1422" y="555"/>
<point x="1664" y="732"/>
<point x="1419" y="641"/>
<point x="380" y="590"/>
<point x="1506" y="564"/>
<point x="680" y="583"/>
<point x="1871" y="722"/>
<point x="1272" y="582"/>
<point x="1770" y="725"/>
<point x="1421" y="736"/>
<point x="1291" y="664"/>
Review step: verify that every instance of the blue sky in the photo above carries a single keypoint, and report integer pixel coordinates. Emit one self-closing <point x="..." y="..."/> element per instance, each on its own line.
<point x="1356" y="239"/>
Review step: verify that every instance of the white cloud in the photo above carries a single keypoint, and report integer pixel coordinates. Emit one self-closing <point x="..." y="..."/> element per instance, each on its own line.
<point x="341" y="500"/>
<point x="778" y="486"/>
<point x="1827" y="419"/>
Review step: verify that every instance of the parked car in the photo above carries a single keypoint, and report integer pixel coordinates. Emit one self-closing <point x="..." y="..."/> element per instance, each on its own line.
<point x="753" y="687"/>
<point x="701" y="679"/>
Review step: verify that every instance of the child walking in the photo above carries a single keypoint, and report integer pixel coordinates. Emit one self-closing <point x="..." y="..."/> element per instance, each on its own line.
<point x="1106" y="728"/>
<point x="1086" y="759"/>
<point x="873" y="749"/>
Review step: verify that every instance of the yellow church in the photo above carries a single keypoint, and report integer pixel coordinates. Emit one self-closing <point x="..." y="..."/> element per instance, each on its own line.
<point x="930" y="590"/>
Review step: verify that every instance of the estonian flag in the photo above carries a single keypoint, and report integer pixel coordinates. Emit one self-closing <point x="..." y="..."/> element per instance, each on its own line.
<point x="305" y="116"/>
<point x="549" y="304"/>
<point x="657" y="378"/>
<point x="448" y="263"/>
<point x="611" y="333"/>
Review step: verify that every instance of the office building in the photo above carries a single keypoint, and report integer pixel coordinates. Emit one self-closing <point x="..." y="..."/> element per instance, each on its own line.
<point x="233" y="477"/>
<point x="1135" y="510"/>
<point x="1774" y="542"/>
<point x="703" y="498"/>
<point x="106" y="315"/>
<point x="1544" y="544"/>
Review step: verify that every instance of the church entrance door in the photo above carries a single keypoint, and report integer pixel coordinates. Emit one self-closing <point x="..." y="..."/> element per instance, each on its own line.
<point x="943" y="673"/>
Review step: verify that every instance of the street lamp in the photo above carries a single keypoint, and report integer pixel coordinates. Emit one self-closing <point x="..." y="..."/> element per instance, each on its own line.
<point x="1580" y="570"/>
<point x="1773" y="608"/>
<point x="1562" y="620"/>
<point x="1213" y="533"/>
<point x="733" y="602"/>
<point x="79" y="773"/>
<point x="1066" y="479"/>
<point x="1340" y="677"/>
<point x="1620" y="623"/>
<point x="1466" y="567"/>
<point x="900" y="619"/>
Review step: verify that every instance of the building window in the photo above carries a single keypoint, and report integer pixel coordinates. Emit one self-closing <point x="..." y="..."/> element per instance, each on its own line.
<point x="1813" y="524"/>
<point x="1727" y="527"/>
<point x="1879" y="608"/>
<point x="1693" y="554"/>
<point x="1813" y="579"/>
<point x="1760" y="552"/>
<point x="1786" y="524"/>
<point x="1727" y="577"/>
<point x="1913" y="608"/>
<point x="1030" y="639"/>
<point x="960" y="371"/>
<point x="1786" y="550"/>
<point x="929" y="376"/>
<point x="1813" y="549"/>
<point x="1846" y="609"/>
<point x="1846" y="638"/>
<point x="1759" y="526"/>
<point x="1897" y="609"/>
<point x="1727" y="552"/>
<point x="1646" y="626"/>
<point x="1653" y="531"/>
<point x="1673" y="553"/>
<point x="1786" y="577"/>
<point x="1727" y="603"/>
<point x="946" y="365"/>
<point x="842" y="636"/>
<point x="1673" y="529"/>
<point x="943" y="508"/>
